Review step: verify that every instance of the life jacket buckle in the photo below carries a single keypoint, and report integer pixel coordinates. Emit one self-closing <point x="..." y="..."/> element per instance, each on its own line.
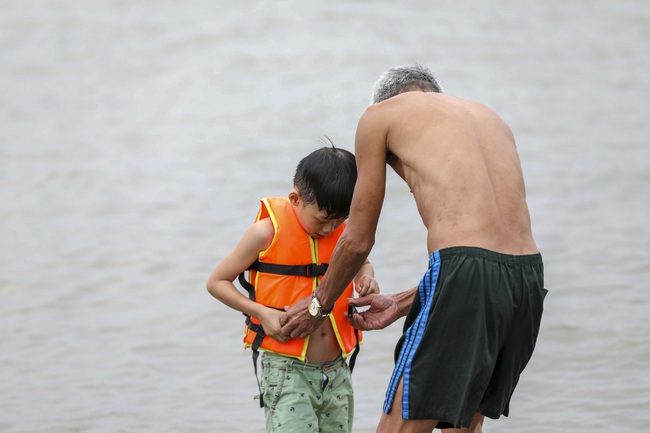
<point x="313" y="270"/>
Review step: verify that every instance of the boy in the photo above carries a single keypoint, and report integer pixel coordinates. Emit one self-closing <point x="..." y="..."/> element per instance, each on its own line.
<point x="306" y="383"/>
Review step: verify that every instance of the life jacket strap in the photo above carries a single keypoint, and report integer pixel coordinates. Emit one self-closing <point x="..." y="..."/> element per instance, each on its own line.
<point x="307" y="270"/>
<point x="259" y="330"/>
<point x="247" y="286"/>
<point x="353" y="357"/>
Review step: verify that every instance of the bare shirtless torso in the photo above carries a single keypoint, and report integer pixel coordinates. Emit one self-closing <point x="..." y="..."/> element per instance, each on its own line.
<point x="468" y="184"/>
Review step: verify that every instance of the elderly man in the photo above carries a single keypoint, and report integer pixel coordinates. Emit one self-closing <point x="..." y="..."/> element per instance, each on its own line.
<point x="472" y="323"/>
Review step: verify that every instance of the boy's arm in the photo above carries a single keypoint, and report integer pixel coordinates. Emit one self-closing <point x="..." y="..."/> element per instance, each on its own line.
<point x="220" y="284"/>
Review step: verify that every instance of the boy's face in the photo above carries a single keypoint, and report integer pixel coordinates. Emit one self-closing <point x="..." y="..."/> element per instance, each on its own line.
<point x="313" y="220"/>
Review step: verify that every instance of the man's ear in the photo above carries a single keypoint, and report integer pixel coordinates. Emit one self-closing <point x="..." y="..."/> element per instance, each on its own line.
<point x="294" y="197"/>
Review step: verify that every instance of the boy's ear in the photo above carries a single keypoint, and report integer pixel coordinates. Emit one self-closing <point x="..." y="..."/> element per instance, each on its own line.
<point x="294" y="197"/>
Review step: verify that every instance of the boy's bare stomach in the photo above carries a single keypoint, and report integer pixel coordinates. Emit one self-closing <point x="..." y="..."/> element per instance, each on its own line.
<point x="323" y="346"/>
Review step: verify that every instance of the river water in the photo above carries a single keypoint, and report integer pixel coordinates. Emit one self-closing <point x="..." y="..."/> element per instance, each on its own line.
<point x="137" y="136"/>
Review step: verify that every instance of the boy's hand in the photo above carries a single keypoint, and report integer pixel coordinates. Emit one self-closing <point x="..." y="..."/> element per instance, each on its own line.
<point x="271" y="323"/>
<point x="366" y="285"/>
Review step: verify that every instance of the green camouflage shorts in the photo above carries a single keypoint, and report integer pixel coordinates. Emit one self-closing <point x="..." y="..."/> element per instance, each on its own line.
<point x="301" y="397"/>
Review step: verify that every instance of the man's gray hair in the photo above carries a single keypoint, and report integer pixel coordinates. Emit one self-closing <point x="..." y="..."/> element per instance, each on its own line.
<point x="402" y="79"/>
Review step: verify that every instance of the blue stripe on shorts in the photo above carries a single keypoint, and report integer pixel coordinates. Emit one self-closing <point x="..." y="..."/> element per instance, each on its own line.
<point x="413" y="336"/>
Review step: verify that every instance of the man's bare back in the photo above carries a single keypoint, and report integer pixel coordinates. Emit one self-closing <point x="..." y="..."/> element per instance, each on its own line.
<point x="460" y="162"/>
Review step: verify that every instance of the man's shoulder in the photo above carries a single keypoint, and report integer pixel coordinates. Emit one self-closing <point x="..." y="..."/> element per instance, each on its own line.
<point x="416" y="101"/>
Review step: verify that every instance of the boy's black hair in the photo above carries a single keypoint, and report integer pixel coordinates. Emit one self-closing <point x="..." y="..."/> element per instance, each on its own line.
<point x="326" y="177"/>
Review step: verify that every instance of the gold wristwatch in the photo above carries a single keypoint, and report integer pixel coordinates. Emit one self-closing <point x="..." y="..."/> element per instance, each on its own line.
<point x="316" y="309"/>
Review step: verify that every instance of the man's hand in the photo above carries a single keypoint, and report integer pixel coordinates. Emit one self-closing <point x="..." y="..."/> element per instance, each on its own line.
<point x="383" y="311"/>
<point x="297" y="322"/>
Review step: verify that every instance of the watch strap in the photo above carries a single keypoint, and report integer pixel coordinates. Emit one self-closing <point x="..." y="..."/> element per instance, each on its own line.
<point x="321" y="313"/>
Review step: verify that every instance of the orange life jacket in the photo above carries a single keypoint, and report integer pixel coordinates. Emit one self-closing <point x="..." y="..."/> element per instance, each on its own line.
<point x="302" y="261"/>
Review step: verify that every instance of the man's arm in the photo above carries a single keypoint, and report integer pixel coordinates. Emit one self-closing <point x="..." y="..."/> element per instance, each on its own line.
<point x="357" y="240"/>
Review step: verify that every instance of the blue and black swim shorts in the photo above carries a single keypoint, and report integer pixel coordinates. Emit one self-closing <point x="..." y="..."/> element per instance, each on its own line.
<point x="469" y="334"/>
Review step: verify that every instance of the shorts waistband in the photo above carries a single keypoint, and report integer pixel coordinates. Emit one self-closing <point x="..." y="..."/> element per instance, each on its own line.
<point x="524" y="259"/>
<point x="296" y="363"/>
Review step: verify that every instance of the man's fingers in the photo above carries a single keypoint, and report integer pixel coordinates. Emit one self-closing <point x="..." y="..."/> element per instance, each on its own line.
<point x="357" y="321"/>
<point x="297" y="333"/>
<point x="292" y="329"/>
<point x="284" y="318"/>
<point x="286" y="327"/>
<point x="361" y="324"/>
<point x="360" y="302"/>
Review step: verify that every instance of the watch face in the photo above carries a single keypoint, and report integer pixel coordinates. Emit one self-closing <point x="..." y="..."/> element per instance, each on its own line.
<point x="314" y="308"/>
